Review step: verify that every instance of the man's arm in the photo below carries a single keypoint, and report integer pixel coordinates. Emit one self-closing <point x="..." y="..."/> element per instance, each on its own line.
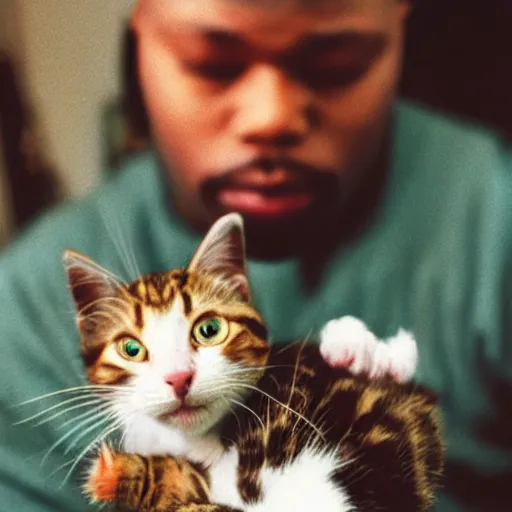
<point x="38" y="355"/>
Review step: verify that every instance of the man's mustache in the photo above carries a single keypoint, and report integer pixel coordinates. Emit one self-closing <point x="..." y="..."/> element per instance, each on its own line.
<point x="302" y="174"/>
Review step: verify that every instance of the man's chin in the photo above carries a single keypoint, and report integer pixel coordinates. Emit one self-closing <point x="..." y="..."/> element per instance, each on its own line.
<point x="283" y="235"/>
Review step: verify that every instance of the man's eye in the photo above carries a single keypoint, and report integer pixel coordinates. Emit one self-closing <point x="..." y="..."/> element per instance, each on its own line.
<point x="329" y="77"/>
<point x="219" y="72"/>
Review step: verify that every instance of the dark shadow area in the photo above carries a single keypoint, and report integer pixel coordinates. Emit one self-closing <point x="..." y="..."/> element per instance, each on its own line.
<point x="480" y="488"/>
<point x="459" y="59"/>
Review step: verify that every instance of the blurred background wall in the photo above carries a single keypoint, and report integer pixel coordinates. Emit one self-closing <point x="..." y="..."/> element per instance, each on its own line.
<point x="67" y="59"/>
<point x="70" y="59"/>
<point x="61" y="89"/>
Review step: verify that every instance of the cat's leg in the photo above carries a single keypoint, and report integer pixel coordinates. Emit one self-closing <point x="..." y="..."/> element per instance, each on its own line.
<point x="347" y="342"/>
<point x="148" y="484"/>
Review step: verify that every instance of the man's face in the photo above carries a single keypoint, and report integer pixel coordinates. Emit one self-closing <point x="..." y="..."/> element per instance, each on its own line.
<point x="273" y="108"/>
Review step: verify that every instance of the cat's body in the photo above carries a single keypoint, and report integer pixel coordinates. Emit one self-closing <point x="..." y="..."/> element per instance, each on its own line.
<point x="212" y="415"/>
<point x="364" y="442"/>
<point x="317" y="437"/>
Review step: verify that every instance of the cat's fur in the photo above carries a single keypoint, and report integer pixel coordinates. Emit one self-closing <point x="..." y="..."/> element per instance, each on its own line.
<point x="279" y="428"/>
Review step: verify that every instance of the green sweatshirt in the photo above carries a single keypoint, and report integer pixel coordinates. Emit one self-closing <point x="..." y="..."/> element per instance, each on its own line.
<point x="437" y="259"/>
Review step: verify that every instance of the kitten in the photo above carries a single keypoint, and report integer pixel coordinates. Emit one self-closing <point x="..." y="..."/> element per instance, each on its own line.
<point x="211" y="414"/>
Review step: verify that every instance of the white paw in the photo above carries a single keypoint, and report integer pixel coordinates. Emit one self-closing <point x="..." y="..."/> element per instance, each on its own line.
<point x="346" y="342"/>
<point x="403" y="355"/>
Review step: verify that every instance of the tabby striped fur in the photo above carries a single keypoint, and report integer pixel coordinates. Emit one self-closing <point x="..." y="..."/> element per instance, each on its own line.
<point x="266" y="416"/>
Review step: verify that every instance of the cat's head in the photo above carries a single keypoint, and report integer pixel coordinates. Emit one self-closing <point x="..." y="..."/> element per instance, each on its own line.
<point x="183" y="346"/>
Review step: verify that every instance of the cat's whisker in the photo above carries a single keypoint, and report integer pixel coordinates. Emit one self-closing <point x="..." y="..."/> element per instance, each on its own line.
<point x="85" y="400"/>
<point x="233" y="412"/>
<point x="244" y="370"/>
<point x="76" y="428"/>
<point x="99" y="439"/>
<point x="62" y="466"/>
<point x="91" y="428"/>
<point x="319" y="420"/>
<point x="273" y="377"/>
<point x="67" y="410"/>
<point x="96" y="410"/>
<point x="294" y="379"/>
<point x="85" y="389"/>
<point x="214" y="390"/>
<point x="124" y="250"/>
<point x="129" y="251"/>
<point x="241" y="404"/>
<point x="255" y="369"/>
<point x="288" y="408"/>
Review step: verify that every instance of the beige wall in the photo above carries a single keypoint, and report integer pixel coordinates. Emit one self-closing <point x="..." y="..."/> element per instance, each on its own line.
<point x="71" y="53"/>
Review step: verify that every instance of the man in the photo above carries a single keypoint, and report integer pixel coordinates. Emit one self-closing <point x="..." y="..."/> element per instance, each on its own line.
<point x="285" y="111"/>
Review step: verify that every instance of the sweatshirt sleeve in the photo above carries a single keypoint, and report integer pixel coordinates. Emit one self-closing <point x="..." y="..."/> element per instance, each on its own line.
<point x="39" y="354"/>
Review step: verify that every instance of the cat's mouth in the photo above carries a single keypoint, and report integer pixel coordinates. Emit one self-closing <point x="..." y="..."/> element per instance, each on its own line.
<point x="184" y="412"/>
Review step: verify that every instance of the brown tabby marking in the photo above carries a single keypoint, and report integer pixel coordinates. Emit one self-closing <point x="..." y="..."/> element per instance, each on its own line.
<point x="122" y="310"/>
<point x="153" y="483"/>
<point x="389" y="432"/>
<point x="385" y="435"/>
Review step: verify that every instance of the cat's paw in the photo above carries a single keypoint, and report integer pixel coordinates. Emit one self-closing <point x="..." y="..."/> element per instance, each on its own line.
<point x="103" y="477"/>
<point x="403" y="356"/>
<point x="347" y="342"/>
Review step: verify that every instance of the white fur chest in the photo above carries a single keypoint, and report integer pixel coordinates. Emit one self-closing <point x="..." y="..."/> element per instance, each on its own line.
<point x="147" y="436"/>
<point x="301" y="486"/>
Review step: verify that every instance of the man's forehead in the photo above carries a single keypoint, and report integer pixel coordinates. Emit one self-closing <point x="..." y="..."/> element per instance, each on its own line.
<point x="274" y="22"/>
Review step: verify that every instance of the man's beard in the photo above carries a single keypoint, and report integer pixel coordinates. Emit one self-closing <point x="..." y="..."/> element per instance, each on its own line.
<point x="343" y="205"/>
<point x="278" y="236"/>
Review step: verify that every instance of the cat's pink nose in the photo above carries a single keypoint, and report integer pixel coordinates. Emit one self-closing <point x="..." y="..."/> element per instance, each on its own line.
<point x="180" y="382"/>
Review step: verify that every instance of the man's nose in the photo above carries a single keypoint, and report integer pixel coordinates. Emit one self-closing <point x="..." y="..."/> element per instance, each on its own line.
<point x="273" y="109"/>
<point x="180" y="382"/>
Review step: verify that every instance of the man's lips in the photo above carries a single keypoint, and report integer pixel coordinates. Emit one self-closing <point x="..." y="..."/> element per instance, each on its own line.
<point x="264" y="202"/>
<point x="257" y="178"/>
<point x="270" y="188"/>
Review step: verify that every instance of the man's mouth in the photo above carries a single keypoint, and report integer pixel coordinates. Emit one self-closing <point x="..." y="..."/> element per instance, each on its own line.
<point x="264" y="202"/>
<point x="270" y="188"/>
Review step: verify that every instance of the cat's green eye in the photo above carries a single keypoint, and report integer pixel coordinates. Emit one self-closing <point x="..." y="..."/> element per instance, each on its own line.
<point x="211" y="331"/>
<point x="132" y="349"/>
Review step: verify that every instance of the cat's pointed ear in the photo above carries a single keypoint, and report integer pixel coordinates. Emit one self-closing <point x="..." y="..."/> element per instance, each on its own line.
<point x="88" y="281"/>
<point x="222" y="253"/>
